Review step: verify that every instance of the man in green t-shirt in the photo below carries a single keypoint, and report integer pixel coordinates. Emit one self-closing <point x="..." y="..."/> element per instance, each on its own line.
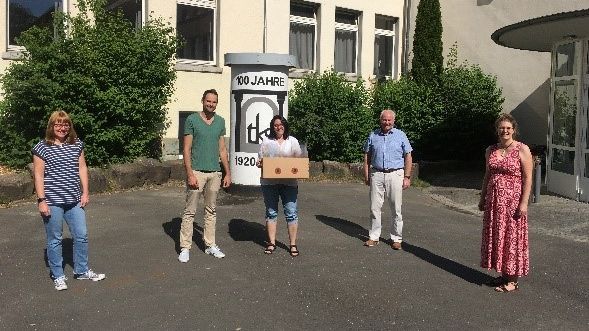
<point x="204" y="144"/>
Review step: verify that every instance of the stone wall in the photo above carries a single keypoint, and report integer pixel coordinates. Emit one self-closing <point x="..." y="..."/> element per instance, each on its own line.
<point x="20" y="186"/>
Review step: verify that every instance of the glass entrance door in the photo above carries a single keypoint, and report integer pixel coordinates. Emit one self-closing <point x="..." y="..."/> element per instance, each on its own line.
<point x="567" y="136"/>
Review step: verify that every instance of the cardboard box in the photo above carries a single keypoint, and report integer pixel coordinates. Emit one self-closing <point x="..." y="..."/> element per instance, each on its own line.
<point x="285" y="167"/>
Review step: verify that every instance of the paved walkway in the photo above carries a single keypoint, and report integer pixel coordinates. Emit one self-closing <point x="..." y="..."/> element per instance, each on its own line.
<point x="336" y="283"/>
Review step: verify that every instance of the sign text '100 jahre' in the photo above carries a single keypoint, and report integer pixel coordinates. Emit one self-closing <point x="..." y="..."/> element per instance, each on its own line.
<point x="260" y="80"/>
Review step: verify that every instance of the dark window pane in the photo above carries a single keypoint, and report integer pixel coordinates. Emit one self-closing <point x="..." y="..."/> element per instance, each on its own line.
<point x="195" y="28"/>
<point x="383" y="56"/>
<point x="302" y="10"/>
<point x="565" y="60"/>
<point x="586" y="166"/>
<point x="131" y="10"/>
<point x="563" y="161"/>
<point x="345" y="51"/>
<point x="385" y="22"/>
<point x="302" y="44"/>
<point x="24" y="14"/>
<point x="564" y="117"/>
<point x="346" y="17"/>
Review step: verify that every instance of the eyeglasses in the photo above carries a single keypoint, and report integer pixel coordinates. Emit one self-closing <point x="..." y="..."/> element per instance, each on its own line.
<point x="61" y="125"/>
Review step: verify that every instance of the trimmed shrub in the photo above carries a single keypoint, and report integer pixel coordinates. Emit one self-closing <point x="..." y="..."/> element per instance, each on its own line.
<point x="452" y="120"/>
<point x="113" y="79"/>
<point x="472" y="101"/>
<point x="331" y="116"/>
<point x="428" y="62"/>
<point x="417" y="107"/>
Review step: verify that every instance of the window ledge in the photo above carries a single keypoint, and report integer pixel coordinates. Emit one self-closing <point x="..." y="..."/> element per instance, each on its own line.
<point x="13" y="55"/>
<point x="350" y="76"/>
<point x="300" y="73"/>
<point x="198" y="68"/>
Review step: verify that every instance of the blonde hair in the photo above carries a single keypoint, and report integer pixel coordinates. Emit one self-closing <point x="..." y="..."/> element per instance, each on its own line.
<point x="506" y="118"/>
<point x="60" y="117"/>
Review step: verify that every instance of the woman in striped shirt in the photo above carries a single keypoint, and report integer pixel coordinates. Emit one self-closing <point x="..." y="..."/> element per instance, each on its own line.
<point x="61" y="184"/>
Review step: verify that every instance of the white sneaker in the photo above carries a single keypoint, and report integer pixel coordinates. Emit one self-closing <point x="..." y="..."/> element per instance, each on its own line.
<point x="90" y="275"/>
<point x="60" y="284"/>
<point x="215" y="251"/>
<point x="184" y="255"/>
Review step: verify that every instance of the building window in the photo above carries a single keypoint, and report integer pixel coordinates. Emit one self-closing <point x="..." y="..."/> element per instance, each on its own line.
<point x="384" y="45"/>
<point x="195" y="25"/>
<point x="24" y="14"/>
<point x="346" y="41"/>
<point x="132" y="10"/>
<point x="303" y="32"/>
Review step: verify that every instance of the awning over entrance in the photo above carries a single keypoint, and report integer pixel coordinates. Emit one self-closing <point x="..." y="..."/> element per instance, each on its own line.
<point x="540" y="34"/>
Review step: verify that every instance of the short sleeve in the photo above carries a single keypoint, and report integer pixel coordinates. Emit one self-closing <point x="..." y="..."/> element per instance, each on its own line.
<point x="189" y="126"/>
<point x="40" y="150"/>
<point x="80" y="145"/>
<point x="223" y="132"/>
<point x="406" y="144"/>
<point x="366" y="147"/>
<point x="295" y="147"/>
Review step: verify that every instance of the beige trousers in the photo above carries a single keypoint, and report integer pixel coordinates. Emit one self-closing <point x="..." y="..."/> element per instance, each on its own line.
<point x="387" y="187"/>
<point x="208" y="185"/>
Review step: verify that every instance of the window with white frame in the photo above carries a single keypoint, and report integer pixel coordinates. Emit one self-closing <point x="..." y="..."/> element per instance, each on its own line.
<point x="384" y="45"/>
<point x="346" y="41"/>
<point x="24" y="14"/>
<point x="132" y="10"/>
<point x="303" y="32"/>
<point x="195" y="25"/>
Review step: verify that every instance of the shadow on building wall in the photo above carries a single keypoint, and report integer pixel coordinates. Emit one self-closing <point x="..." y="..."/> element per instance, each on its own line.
<point x="532" y="115"/>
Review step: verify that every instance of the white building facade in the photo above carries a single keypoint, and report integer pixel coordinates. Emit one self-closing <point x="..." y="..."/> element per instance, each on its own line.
<point x="356" y="37"/>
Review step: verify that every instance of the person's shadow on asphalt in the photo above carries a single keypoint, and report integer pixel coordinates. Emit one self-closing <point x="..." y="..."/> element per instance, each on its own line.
<point x="356" y="231"/>
<point x="172" y="229"/>
<point x="242" y="230"/>
<point x="67" y="251"/>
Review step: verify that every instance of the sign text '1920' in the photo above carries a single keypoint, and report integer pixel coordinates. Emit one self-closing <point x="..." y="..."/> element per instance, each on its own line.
<point x="245" y="161"/>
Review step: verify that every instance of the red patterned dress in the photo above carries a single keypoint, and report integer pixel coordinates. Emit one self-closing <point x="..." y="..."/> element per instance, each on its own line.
<point x="505" y="239"/>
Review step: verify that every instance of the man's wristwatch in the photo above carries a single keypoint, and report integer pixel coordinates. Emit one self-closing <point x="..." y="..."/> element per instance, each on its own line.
<point x="39" y="200"/>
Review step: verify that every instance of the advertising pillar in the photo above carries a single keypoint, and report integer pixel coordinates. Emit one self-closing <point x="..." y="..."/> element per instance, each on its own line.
<point x="259" y="90"/>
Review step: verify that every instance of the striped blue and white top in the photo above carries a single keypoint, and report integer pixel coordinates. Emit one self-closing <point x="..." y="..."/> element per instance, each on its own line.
<point x="62" y="171"/>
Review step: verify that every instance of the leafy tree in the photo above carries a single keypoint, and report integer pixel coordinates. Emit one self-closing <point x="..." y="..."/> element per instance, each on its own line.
<point x="451" y="120"/>
<point x="331" y="116"/>
<point x="428" y="62"/>
<point x="114" y="80"/>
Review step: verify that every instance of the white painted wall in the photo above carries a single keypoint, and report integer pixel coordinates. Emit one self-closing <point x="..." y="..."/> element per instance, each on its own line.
<point x="523" y="75"/>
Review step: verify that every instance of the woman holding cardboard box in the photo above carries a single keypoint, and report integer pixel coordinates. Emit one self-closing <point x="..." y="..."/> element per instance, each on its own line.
<point x="280" y="144"/>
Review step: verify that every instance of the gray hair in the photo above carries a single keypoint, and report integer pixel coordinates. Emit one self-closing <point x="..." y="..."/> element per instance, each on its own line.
<point x="387" y="111"/>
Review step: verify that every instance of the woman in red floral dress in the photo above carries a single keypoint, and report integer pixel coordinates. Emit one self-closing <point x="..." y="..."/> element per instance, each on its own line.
<point x="504" y="199"/>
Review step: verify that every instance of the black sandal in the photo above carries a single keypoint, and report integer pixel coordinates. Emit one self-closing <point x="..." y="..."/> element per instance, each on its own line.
<point x="295" y="252"/>
<point x="270" y="248"/>
<point x="496" y="282"/>
<point x="504" y="288"/>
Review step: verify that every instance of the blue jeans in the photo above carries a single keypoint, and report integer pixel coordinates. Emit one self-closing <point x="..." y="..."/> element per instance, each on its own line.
<point x="75" y="217"/>
<point x="288" y="195"/>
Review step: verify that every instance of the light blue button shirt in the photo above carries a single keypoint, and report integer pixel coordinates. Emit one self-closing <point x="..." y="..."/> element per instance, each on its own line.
<point x="387" y="150"/>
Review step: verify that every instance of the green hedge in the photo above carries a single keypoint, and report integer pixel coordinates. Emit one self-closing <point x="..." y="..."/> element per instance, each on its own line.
<point x="452" y="120"/>
<point x="331" y="116"/>
<point x="113" y="79"/>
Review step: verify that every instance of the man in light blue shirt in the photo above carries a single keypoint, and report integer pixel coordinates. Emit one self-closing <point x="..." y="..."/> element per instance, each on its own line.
<point x="387" y="170"/>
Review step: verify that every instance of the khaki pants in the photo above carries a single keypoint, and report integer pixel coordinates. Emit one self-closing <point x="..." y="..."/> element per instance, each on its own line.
<point x="208" y="185"/>
<point x="389" y="187"/>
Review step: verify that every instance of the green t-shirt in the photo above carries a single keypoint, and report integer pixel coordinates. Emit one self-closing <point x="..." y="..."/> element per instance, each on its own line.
<point x="205" y="141"/>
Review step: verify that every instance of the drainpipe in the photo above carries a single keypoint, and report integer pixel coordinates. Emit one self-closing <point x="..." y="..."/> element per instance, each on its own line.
<point x="406" y="30"/>
<point x="265" y="30"/>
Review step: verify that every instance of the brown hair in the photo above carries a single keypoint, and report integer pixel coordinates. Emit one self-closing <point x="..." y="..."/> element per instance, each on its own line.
<point x="60" y="117"/>
<point x="211" y="91"/>
<point x="507" y="118"/>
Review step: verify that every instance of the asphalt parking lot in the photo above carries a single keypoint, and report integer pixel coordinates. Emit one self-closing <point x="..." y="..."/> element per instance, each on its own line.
<point x="336" y="283"/>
